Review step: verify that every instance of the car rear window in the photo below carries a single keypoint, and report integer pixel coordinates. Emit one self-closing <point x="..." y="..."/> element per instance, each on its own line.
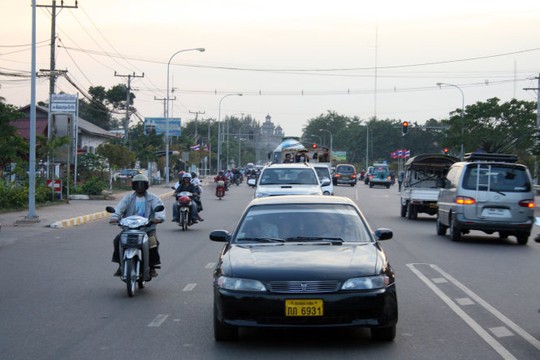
<point x="278" y="176"/>
<point x="345" y="169"/>
<point x="496" y="178"/>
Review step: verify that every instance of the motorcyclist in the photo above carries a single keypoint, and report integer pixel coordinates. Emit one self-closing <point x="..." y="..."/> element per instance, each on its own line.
<point x="186" y="185"/>
<point x="142" y="203"/>
<point x="195" y="180"/>
<point x="221" y="177"/>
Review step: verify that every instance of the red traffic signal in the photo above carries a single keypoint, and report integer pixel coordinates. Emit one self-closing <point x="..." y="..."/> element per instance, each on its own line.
<point x="445" y="150"/>
<point x="314" y="145"/>
<point x="404" y="127"/>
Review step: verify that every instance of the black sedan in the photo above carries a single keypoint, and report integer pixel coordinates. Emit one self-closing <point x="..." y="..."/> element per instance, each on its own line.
<point x="303" y="261"/>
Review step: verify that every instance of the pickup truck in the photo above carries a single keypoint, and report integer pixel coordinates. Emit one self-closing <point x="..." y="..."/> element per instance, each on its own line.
<point x="421" y="182"/>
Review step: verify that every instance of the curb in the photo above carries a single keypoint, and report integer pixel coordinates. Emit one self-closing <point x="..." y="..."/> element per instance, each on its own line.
<point x="83" y="219"/>
<point x="78" y="220"/>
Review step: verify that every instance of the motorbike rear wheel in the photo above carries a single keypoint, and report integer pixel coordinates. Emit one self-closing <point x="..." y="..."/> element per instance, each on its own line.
<point x="130" y="268"/>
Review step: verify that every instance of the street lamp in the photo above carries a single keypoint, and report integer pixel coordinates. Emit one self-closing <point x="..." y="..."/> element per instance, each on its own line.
<point x="219" y="129"/>
<point x="331" y="142"/>
<point x="440" y="84"/>
<point x="167" y="112"/>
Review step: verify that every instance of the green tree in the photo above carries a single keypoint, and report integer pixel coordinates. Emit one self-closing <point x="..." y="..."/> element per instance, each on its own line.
<point x="494" y="127"/>
<point x="12" y="146"/>
<point x="118" y="156"/>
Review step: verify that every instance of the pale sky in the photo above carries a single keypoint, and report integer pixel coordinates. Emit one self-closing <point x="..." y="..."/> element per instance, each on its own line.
<point x="292" y="59"/>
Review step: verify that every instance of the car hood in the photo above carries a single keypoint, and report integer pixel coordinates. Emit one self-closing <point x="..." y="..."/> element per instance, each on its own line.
<point x="302" y="261"/>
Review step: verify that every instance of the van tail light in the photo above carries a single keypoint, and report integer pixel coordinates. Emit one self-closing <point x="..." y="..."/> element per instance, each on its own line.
<point x="465" y="200"/>
<point x="527" y="203"/>
<point x="337" y="175"/>
<point x="354" y="175"/>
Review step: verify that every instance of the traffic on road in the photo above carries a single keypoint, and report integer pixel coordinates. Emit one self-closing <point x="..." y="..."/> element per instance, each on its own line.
<point x="476" y="298"/>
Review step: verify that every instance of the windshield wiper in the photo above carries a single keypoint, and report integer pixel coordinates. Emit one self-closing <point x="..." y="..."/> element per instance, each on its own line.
<point x="262" y="239"/>
<point x="334" y="240"/>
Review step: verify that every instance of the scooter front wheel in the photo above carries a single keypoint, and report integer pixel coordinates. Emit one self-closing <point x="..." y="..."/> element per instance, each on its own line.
<point x="130" y="268"/>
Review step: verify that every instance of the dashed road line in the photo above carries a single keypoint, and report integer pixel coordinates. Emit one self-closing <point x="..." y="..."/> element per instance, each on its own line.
<point x="158" y="320"/>
<point x="189" y="287"/>
<point x="472" y="297"/>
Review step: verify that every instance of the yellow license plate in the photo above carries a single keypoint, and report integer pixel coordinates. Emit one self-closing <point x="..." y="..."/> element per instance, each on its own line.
<point x="304" y="307"/>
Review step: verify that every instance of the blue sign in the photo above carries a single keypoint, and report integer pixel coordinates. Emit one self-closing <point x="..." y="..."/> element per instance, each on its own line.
<point x="159" y="125"/>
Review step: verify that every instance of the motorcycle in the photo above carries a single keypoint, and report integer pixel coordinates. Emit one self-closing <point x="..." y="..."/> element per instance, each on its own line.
<point x="134" y="250"/>
<point x="184" y="199"/>
<point x="252" y="180"/>
<point x="220" y="189"/>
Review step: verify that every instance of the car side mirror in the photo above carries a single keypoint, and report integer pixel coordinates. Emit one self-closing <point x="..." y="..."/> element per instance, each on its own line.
<point x="220" y="235"/>
<point x="383" y="234"/>
<point x="325" y="182"/>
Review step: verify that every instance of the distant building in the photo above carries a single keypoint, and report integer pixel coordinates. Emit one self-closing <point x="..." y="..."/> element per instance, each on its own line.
<point x="271" y="136"/>
<point x="90" y="136"/>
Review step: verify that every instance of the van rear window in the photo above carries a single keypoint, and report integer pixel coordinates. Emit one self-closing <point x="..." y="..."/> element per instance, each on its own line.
<point x="496" y="178"/>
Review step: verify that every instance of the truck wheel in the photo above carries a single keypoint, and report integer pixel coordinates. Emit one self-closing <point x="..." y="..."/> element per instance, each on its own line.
<point x="403" y="210"/>
<point x="412" y="212"/>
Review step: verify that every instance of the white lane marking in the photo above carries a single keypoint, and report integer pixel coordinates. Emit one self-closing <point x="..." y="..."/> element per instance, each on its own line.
<point x="505" y="354"/>
<point x="501" y="331"/>
<point x="189" y="287"/>
<point x="439" y="280"/>
<point x="518" y="330"/>
<point x="464" y="301"/>
<point x="158" y="320"/>
<point x="210" y="265"/>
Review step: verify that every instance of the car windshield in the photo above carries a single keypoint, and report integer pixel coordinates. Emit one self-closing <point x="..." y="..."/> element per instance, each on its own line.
<point x="284" y="223"/>
<point x="277" y="176"/>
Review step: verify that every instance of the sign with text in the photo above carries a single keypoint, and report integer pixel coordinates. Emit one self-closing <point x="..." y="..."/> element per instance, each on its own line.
<point x="159" y="125"/>
<point x="63" y="103"/>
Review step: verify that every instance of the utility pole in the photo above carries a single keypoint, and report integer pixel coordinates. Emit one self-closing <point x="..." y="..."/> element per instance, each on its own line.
<point x="537" y="89"/>
<point x="196" y="117"/>
<point x="52" y="75"/>
<point x="128" y="98"/>
<point x="164" y="104"/>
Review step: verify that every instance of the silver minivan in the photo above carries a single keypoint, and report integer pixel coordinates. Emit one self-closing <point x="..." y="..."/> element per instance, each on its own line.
<point x="487" y="192"/>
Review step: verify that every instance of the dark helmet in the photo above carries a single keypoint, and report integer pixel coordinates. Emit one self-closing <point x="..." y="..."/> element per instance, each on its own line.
<point x="220" y="172"/>
<point x="140" y="182"/>
<point x="193" y="174"/>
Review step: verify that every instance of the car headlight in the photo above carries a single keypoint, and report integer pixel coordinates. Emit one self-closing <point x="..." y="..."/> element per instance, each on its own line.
<point x="228" y="283"/>
<point x="366" y="283"/>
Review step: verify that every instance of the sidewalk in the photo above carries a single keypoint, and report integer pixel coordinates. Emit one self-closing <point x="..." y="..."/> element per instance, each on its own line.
<point x="74" y="213"/>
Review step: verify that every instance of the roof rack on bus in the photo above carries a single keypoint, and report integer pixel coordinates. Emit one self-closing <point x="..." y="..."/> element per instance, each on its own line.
<point x="471" y="157"/>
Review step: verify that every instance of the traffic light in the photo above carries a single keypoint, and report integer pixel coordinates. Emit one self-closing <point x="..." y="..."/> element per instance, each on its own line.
<point x="404" y="127"/>
<point x="314" y="145"/>
<point x="445" y="150"/>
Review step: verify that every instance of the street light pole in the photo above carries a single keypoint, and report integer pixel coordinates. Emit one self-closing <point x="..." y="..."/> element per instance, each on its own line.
<point x="440" y="84"/>
<point x="239" y="142"/>
<point x="219" y="129"/>
<point x="167" y="112"/>
<point x="331" y="142"/>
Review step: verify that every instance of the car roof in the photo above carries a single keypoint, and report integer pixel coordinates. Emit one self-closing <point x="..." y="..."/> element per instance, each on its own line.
<point x="302" y="199"/>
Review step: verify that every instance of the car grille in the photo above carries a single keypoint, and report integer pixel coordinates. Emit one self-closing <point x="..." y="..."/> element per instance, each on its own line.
<point x="302" y="287"/>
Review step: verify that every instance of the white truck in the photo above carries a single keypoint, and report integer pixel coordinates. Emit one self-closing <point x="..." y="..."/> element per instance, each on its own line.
<point x="421" y="182"/>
